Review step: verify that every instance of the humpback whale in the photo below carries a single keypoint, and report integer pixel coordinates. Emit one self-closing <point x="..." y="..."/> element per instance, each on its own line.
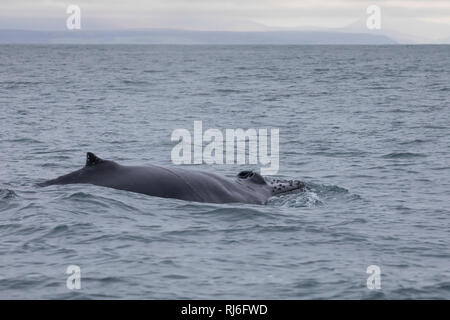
<point x="179" y="183"/>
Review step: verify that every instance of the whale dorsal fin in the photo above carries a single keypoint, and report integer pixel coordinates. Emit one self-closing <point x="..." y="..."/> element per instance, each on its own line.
<point x="92" y="159"/>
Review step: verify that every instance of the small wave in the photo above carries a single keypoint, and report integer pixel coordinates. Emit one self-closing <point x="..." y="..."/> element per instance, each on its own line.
<point x="8" y="199"/>
<point x="58" y="230"/>
<point x="175" y="276"/>
<point x="18" y="84"/>
<point x="234" y="213"/>
<point x="30" y="141"/>
<point x="152" y="71"/>
<point x="7" y="194"/>
<point x="321" y="69"/>
<point x="297" y="200"/>
<point x="415" y="141"/>
<point x="435" y="291"/>
<point x="135" y="82"/>
<point x="398" y="110"/>
<point x="403" y="155"/>
<point x="323" y="189"/>
<point x="315" y="195"/>
<point x="432" y="126"/>
<point x="86" y="198"/>
<point x="104" y="202"/>
<point x="229" y="91"/>
<point x="9" y="227"/>
<point x="440" y="168"/>
<point x="220" y="78"/>
<point x="379" y="87"/>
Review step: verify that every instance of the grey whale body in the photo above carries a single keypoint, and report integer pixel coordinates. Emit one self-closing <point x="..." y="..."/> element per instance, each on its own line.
<point x="191" y="185"/>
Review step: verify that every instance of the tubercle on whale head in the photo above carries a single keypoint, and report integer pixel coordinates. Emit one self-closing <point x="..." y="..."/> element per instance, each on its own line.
<point x="276" y="186"/>
<point x="284" y="186"/>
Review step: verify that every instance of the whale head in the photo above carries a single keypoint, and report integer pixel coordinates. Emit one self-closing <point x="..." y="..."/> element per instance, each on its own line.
<point x="276" y="186"/>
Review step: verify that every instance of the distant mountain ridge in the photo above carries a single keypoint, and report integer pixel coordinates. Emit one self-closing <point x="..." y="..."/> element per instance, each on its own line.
<point x="168" y="36"/>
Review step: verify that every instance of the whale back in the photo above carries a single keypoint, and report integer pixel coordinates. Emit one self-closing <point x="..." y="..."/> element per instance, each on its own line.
<point x="177" y="182"/>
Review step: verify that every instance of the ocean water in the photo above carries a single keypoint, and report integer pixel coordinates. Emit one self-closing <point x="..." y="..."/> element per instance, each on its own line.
<point x="366" y="127"/>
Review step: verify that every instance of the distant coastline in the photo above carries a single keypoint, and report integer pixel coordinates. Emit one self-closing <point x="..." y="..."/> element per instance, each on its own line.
<point x="168" y="36"/>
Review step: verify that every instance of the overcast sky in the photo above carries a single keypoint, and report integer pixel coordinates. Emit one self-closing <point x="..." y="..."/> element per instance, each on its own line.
<point x="419" y="18"/>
